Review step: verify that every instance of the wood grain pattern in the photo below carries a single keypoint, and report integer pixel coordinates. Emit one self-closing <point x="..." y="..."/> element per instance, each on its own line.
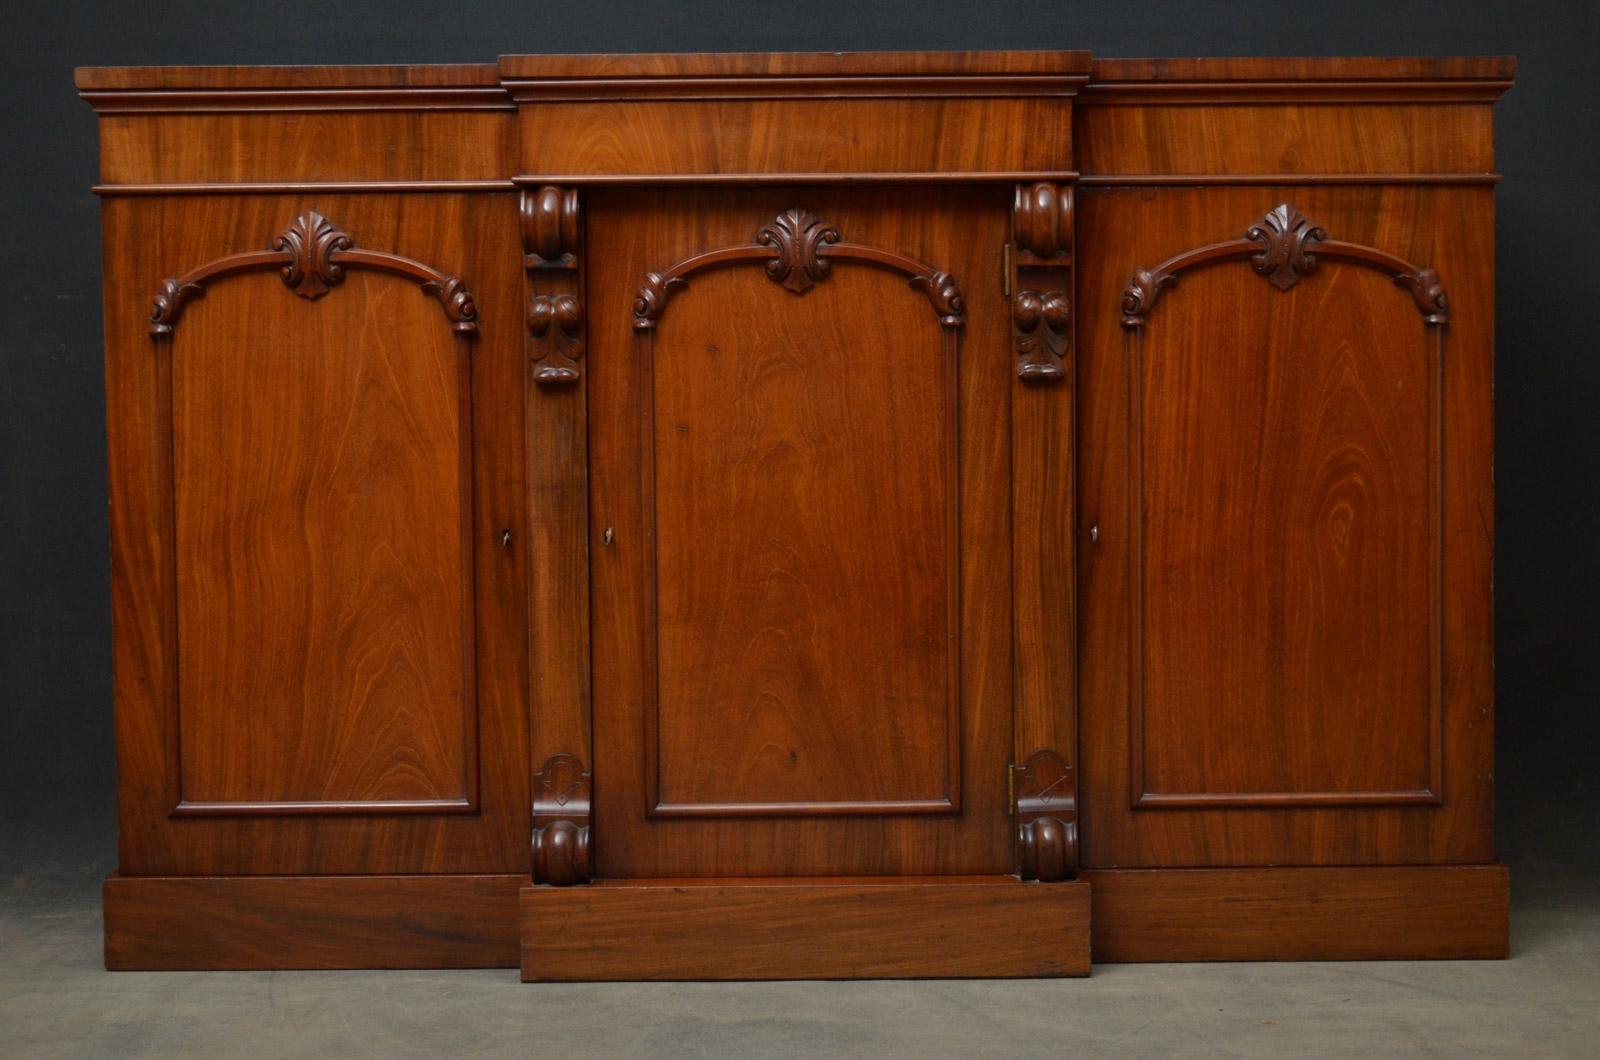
<point x="885" y="136"/>
<point x="387" y="145"/>
<point x="402" y="753"/>
<point x="777" y="634"/>
<point x="803" y="929"/>
<point x="1287" y="138"/>
<point x="557" y="513"/>
<point x="793" y="615"/>
<point x="322" y="491"/>
<point x="1043" y="459"/>
<point x="1287" y="633"/>
<point x="208" y="923"/>
<point x="896" y="64"/>
<point x="1301" y="914"/>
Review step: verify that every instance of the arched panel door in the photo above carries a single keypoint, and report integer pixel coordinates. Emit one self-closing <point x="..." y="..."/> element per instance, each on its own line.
<point x="1284" y="587"/>
<point x="315" y="665"/>
<point x="800" y="503"/>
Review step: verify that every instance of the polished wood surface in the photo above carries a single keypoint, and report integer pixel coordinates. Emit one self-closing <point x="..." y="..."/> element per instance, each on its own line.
<point x="1301" y="914"/>
<point x="323" y="556"/>
<point x="322" y="492"/>
<point x="1279" y="652"/>
<point x="796" y="643"/>
<point x="209" y="923"/>
<point x="918" y="928"/>
<point x="684" y="471"/>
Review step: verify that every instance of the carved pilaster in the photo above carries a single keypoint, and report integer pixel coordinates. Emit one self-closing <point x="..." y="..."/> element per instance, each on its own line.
<point x="1039" y="280"/>
<point x="1045" y="801"/>
<point x="561" y="822"/>
<point x="552" y="235"/>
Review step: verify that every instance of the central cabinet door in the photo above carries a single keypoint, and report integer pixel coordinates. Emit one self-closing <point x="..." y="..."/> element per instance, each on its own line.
<point x="800" y="501"/>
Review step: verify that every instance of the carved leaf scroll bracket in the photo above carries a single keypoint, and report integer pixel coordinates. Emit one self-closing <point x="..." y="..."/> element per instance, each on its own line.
<point x="312" y="255"/>
<point x="1039" y="280"/>
<point x="552" y="237"/>
<point x="1285" y="247"/>
<point x="797" y="249"/>
<point x="1045" y="801"/>
<point x="562" y="822"/>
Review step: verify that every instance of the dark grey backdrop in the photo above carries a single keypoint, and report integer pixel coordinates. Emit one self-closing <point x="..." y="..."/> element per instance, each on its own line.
<point x="56" y="772"/>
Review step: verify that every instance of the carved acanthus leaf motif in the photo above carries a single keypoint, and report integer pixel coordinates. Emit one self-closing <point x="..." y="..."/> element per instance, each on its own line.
<point x="945" y="297"/>
<point x="459" y="307"/>
<point x="1043" y="322"/>
<point x="310" y="243"/>
<point x="796" y="233"/>
<point x="1287" y="238"/>
<point x="652" y="297"/>
<point x="1428" y="292"/>
<point x="556" y="324"/>
<point x="169" y="303"/>
<point x="1141" y="294"/>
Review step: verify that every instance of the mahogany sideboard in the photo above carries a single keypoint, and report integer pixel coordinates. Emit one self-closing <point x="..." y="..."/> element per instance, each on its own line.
<point x="801" y="515"/>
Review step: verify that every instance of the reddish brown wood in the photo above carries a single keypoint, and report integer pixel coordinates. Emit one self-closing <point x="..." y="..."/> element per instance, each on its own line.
<point x="1404" y="912"/>
<point x="383" y="750"/>
<point x="203" y="923"/>
<point x="1270" y="477"/>
<point x="916" y="928"/>
<point x="558" y="523"/>
<point x="828" y="549"/>
<point x="793" y="615"/>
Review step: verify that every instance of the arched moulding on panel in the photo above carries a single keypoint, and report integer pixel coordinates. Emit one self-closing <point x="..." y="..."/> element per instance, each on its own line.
<point x="312" y="255"/>
<point x="1285" y="246"/>
<point x="797" y="249"/>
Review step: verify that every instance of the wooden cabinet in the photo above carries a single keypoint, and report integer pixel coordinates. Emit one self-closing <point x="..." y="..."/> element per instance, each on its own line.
<point x="801" y="515"/>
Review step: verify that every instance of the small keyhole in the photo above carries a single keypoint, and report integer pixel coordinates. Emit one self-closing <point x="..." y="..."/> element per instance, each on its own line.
<point x="606" y="537"/>
<point x="505" y="539"/>
<point x="1094" y="534"/>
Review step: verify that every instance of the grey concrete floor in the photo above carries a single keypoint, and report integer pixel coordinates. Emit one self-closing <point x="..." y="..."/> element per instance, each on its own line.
<point x="55" y="1000"/>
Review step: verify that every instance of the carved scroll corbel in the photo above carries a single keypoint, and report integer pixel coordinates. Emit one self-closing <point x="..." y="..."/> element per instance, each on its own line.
<point x="561" y="822"/>
<point x="552" y="233"/>
<point x="1039" y="280"/>
<point x="1045" y="801"/>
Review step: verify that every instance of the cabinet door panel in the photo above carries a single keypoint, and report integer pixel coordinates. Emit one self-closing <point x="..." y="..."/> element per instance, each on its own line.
<point x="322" y="485"/>
<point x="805" y="567"/>
<point x="1285" y="646"/>
<point x="801" y="508"/>
<point x="321" y="644"/>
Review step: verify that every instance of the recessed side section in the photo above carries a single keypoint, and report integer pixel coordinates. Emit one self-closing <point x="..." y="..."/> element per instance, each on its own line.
<point x="1406" y="913"/>
<point x="207" y="923"/>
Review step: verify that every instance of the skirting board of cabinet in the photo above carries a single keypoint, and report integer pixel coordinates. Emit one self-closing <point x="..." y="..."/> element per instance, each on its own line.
<point x="835" y="928"/>
<point x="200" y="923"/>
<point x="1409" y="912"/>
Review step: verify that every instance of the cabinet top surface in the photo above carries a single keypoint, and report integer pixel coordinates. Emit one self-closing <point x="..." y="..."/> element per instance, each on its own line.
<point x="647" y="66"/>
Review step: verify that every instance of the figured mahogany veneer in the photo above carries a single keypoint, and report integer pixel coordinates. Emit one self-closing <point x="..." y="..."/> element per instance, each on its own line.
<point x="725" y="516"/>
